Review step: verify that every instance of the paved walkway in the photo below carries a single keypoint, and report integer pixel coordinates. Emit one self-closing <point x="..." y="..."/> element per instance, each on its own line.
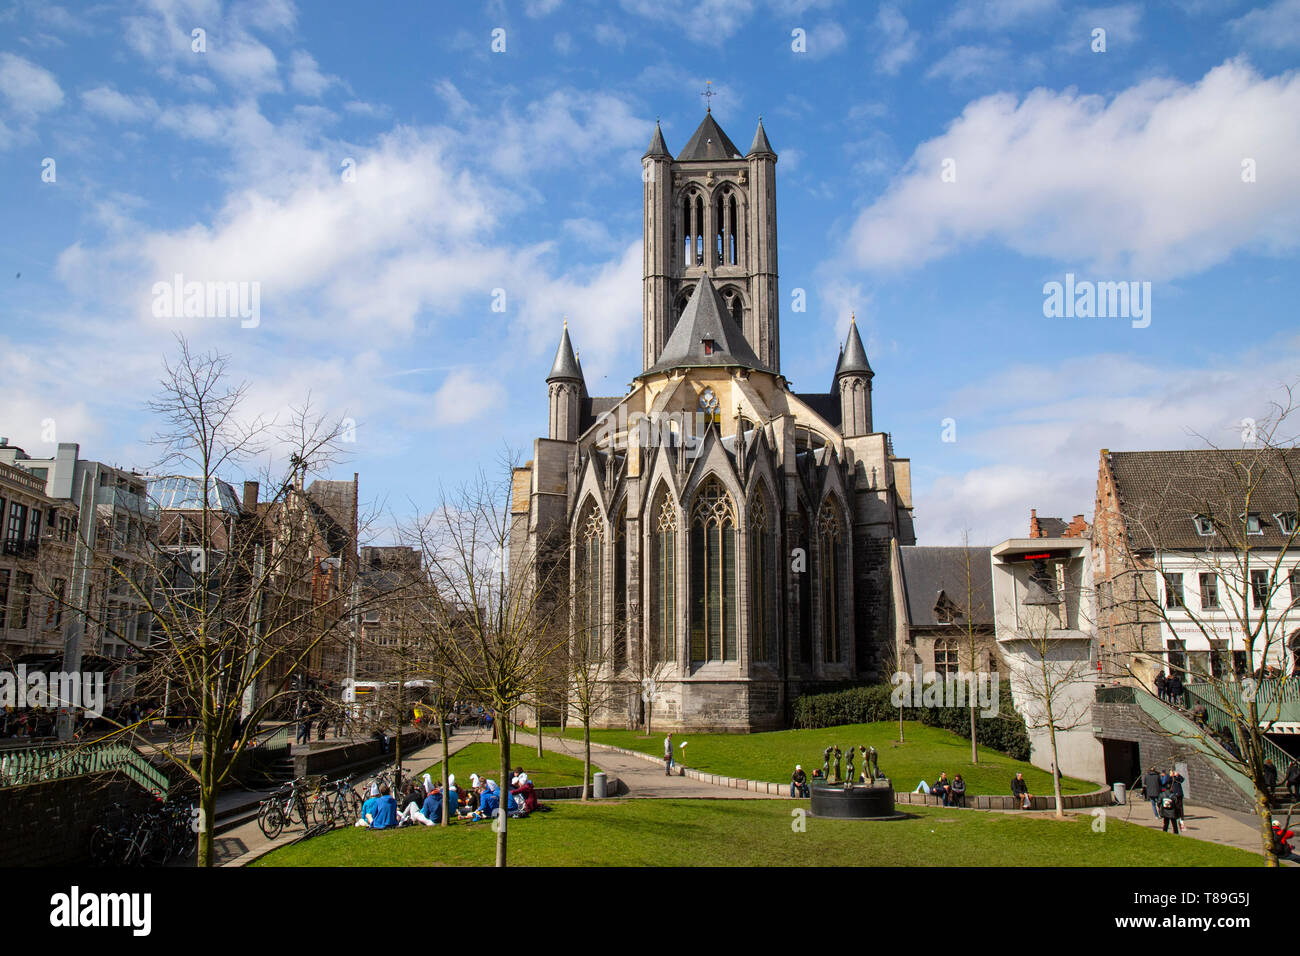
<point x="246" y="842"/>
<point x="1202" y="823"/>
<point x="645" y="778"/>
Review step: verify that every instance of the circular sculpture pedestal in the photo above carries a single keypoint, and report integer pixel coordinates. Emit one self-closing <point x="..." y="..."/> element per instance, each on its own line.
<point x="863" y="802"/>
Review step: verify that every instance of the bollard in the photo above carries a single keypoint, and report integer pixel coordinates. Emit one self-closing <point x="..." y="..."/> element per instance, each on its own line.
<point x="1121" y="796"/>
<point x="598" y="790"/>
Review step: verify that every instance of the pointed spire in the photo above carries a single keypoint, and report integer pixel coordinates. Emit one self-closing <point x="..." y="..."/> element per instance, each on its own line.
<point x="853" y="359"/>
<point x="705" y="335"/>
<point x="657" y="146"/>
<point x="708" y="142"/>
<point x="761" y="146"/>
<point x="566" y="367"/>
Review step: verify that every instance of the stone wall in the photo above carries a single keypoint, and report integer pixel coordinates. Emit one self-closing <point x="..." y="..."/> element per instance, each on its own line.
<point x="49" y="824"/>
<point x="1205" y="784"/>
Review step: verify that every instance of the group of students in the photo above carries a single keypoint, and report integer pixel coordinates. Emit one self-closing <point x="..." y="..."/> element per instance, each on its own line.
<point x="423" y="802"/>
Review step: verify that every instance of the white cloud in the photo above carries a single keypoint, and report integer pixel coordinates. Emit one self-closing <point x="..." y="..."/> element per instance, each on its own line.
<point x="117" y="107"/>
<point x="999" y="16"/>
<point x="826" y="39"/>
<point x="541" y="8"/>
<point x="305" y="76"/>
<point x="1043" y="454"/>
<point x="1275" y="27"/>
<point x="28" y="89"/>
<point x="563" y="43"/>
<point x="465" y="397"/>
<point x="897" y="42"/>
<point x="964" y="63"/>
<point x="1148" y="183"/>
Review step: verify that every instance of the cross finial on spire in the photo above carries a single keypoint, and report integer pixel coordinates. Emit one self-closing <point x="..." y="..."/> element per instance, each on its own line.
<point x="708" y="95"/>
<point x="853" y="318"/>
<point x="566" y="321"/>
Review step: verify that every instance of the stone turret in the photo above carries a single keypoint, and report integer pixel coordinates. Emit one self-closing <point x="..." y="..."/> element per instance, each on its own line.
<point x="566" y="387"/>
<point x="853" y="382"/>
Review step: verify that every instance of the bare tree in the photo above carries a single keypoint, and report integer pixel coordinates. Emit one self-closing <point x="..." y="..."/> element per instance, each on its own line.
<point x="237" y="605"/>
<point x="1225" y="522"/>
<point x="499" y="624"/>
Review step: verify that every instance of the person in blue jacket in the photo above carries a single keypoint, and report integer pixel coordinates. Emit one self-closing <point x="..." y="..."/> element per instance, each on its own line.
<point x="384" y="814"/>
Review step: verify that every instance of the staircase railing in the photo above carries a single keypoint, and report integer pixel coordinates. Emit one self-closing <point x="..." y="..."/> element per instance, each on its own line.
<point x="61" y="761"/>
<point x="1222" y="721"/>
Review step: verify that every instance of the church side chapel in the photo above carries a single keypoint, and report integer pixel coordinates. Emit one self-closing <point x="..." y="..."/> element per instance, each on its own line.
<point x="738" y="550"/>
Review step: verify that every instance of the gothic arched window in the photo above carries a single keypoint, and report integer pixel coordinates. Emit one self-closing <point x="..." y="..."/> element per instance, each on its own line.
<point x="761" y="592"/>
<point x="828" y="572"/>
<point x="725" y="209"/>
<point x="619" y="656"/>
<point x="693" y="227"/>
<point x="589" y="581"/>
<point x="803" y="579"/>
<point x="713" y="575"/>
<point x="663" y="582"/>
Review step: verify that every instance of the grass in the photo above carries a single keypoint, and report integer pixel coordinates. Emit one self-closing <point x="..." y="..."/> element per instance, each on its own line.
<point x="549" y="770"/>
<point x="760" y="833"/>
<point x="772" y="756"/>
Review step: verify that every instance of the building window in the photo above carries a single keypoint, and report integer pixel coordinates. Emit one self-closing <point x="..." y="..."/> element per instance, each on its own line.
<point x="760" y="576"/>
<point x="1204" y="526"/>
<point x="1294" y="578"/>
<point x="803" y="579"/>
<point x="1173" y="591"/>
<point x="1253" y="524"/>
<point x="591" y="536"/>
<point x="18" y="613"/>
<point x="620" y="589"/>
<point x="1287" y="521"/>
<point x="17" y="521"/>
<point x="4" y="596"/>
<point x="945" y="656"/>
<point x="1177" y="657"/>
<point x="713" y="575"/>
<point x="1209" y="591"/>
<point x="663" y="625"/>
<point x="828" y="556"/>
<point x="1259" y="589"/>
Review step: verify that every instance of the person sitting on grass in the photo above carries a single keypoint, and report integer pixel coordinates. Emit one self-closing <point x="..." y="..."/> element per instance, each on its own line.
<point x="384" y="815"/>
<point x="368" y="807"/>
<point x="1020" y="789"/>
<point x="489" y="802"/>
<point x="527" y="793"/>
<point x="958" y="791"/>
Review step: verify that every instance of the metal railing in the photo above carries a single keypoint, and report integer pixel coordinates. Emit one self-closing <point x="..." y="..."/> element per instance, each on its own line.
<point x="1223" y="722"/>
<point x="61" y="761"/>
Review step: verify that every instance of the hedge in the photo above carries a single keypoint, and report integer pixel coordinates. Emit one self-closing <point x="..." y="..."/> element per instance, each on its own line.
<point x="1005" y="733"/>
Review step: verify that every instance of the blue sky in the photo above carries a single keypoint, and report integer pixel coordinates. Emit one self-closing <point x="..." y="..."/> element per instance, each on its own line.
<point x="520" y="170"/>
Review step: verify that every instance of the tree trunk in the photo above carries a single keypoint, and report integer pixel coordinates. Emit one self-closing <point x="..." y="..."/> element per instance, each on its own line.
<point x="974" y="749"/>
<point x="900" y="725"/>
<point x="504" y="785"/>
<point x="1266" y="827"/>
<point x="1056" y="773"/>
<point x="446" y="783"/>
<point x="649" y="706"/>
<point x="207" y="816"/>
<point x="586" y="758"/>
<point x="537" y="711"/>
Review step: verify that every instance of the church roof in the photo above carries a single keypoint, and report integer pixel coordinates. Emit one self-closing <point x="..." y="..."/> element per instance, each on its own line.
<point x="853" y="360"/>
<point x="708" y="142"/>
<point x="761" y="146"/>
<point x="657" y="145"/>
<point x="930" y="573"/>
<point x="705" y="335"/>
<point x="566" y="364"/>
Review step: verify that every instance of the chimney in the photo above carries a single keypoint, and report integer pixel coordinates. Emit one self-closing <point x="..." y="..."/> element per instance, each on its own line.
<point x="250" y="496"/>
<point x="1034" y="531"/>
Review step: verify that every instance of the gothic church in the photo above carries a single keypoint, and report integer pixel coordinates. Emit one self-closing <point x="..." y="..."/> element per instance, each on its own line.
<point x="727" y="537"/>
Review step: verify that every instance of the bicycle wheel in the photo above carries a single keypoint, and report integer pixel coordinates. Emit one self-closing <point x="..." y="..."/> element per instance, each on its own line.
<point x="102" y="845"/>
<point x="322" y="810"/>
<point x="270" y="819"/>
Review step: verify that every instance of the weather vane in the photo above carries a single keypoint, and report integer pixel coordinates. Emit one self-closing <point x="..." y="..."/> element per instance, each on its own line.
<point x="708" y="95"/>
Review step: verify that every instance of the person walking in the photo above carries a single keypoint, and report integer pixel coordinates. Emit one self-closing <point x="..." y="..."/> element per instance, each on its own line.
<point x="1168" y="804"/>
<point x="1293" y="781"/>
<point x="1174" y="784"/>
<point x="1151" y="787"/>
<point x="668" y="756"/>
<point x="1162" y="686"/>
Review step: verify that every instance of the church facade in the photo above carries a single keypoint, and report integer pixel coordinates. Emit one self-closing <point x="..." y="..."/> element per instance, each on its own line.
<point x="730" y="542"/>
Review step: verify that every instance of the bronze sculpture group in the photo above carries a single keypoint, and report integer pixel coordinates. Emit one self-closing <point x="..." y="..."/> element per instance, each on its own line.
<point x="870" y="767"/>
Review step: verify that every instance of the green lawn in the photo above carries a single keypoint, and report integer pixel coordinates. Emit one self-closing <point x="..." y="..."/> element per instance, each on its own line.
<point x="549" y="770"/>
<point x="760" y="833"/>
<point x="772" y="756"/>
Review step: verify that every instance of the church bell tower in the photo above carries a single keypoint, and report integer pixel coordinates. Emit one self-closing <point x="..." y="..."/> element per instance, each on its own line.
<point x="710" y="211"/>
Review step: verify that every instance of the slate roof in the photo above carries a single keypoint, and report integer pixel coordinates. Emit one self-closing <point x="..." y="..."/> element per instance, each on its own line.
<point x="657" y="145"/>
<point x="708" y="142"/>
<point x="827" y="406"/>
<point x="1161" y="492"/>
<point x="565" y="365"/>
<point x="761" y="146"/>
<point x="929" y="571"/>
<point x="1052" y="527"/>
<point x="854" y="357"/>
<point x="704" y="319"/>
<point x="594" y="407"/>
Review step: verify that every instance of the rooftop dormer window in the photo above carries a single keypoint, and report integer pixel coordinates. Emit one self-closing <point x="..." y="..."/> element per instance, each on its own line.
<point x="1204" y="526"/>
<point x="1253" y="524"/>
<point x="1288" y="522"/>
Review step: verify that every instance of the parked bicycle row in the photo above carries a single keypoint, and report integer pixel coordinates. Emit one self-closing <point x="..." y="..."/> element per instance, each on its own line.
<point x="150" y="836"/>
